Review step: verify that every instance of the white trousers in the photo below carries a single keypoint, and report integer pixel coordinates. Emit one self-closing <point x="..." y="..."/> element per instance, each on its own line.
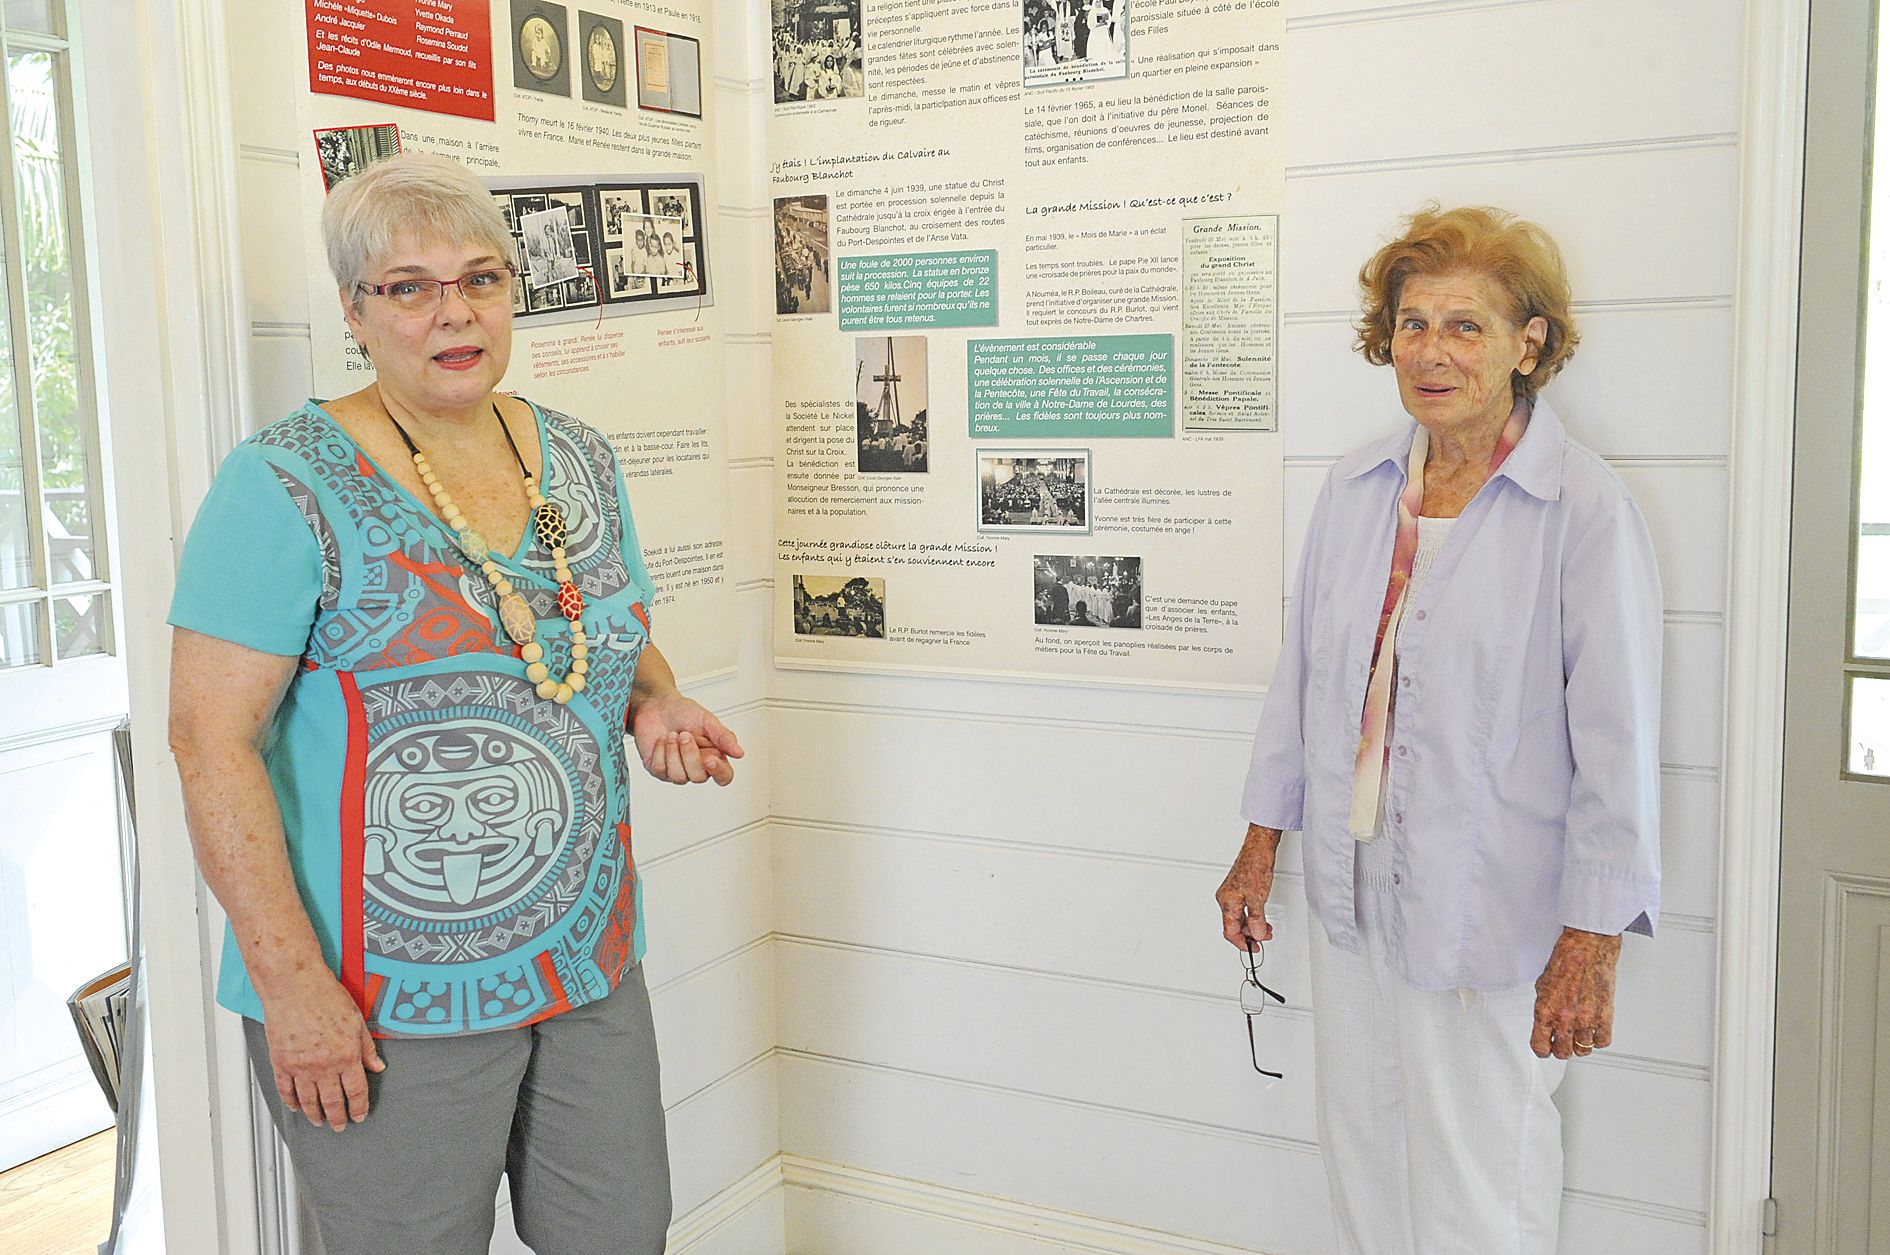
<point x="1435" y="1118"/>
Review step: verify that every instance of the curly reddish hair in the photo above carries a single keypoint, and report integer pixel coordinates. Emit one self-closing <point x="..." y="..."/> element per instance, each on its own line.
<point x="1518" y="256"/>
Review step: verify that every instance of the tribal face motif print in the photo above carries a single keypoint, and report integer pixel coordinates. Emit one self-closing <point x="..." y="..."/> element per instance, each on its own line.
<point x="462" y="820"/>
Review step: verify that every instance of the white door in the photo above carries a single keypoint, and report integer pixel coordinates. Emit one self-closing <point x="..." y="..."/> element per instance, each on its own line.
<point x="1831" y="1142"/>
<point x="62" y="685"/>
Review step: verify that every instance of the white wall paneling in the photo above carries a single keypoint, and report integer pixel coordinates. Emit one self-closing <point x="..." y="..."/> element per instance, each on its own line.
<point x="1602" y="72"/>
<point x="1593" y="200"/>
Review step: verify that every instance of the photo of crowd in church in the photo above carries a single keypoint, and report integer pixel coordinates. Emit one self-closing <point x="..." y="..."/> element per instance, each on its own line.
<point x="1075" y="40"/>
<point x="839" y="605"/>
<point x="817" y="52"/>
<point x="1033" y="492"/>
<point x="1082" y="591"/>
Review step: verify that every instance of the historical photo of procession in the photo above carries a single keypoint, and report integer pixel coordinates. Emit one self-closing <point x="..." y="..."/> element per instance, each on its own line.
<point x="817" y="51"/>
<point x="1075" y="41"/>
<point x="890" y="403"/>
<point x="839" y="605"/>
<point x="1033" y="490"/>
<point x="1088" y="592"/>
<point x="802" y="284"/>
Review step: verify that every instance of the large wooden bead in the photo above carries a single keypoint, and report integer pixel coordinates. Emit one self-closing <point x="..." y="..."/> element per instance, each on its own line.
<point x="576" y="683"/>
<point x="570" y="601"/>
<point x="475" y="546"/>
<point x="548" y="523"/>
<point x="517" y="619"/>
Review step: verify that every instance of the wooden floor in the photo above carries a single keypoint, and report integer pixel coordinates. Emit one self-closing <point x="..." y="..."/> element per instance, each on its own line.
<point x="59" y="1204"/>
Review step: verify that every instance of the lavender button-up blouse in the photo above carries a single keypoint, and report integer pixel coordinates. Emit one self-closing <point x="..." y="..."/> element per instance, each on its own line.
<point x="1522" y="794"/>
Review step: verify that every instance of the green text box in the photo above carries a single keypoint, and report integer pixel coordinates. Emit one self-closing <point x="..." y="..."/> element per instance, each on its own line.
<point x="913" y="291"/>
<point x="1072" y="386"/>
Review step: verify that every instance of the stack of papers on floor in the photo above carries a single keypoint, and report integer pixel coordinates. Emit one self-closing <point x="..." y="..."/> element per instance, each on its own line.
<point x="98" y="1009"/>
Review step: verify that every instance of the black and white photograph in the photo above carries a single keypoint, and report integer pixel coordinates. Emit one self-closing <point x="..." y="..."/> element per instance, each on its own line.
<point x="580" y="291"/>
<point x="603" y="80"/>
<point x="802" y="284"/>
<point x="839" y="605"/>
<point x="1030" y="490"/>
<point x="1082" y="591"/>
<point x="622" y="283"/>
<point x="345" y="151"/>
<point x="541" y="59"/>
<point x="691" y="280"/>
<point x="551" y="296"/>
<point x="889" y="394"/>
<point x="618" y="209"/>
<point x="653" y="246"/>
<point x="550" y="254"/>
<point x="573" y="203"/>
<point x="1075" y="41"/>
<point x="673" y="202"/>
<point x="817" y="54"/>
<point x="519" y="287"/>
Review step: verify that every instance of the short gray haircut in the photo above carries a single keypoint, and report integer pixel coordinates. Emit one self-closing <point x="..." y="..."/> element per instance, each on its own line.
<point x="422" y="195"/>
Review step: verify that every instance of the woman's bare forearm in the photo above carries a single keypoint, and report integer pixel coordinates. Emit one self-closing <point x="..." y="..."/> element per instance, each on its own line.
<point x="223" y="699"/>
<point x="654" y="678"/>
<point x="236" y="830"/>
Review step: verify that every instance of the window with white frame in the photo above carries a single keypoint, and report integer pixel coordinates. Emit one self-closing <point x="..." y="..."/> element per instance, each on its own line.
<point x="55" y="602"/>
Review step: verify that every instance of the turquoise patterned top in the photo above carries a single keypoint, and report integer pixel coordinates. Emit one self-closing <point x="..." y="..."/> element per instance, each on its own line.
<point x="462" y="845"/>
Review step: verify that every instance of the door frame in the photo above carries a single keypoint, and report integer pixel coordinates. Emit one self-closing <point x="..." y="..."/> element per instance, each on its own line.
<point x="1765" y="362"/>
<point x="173" y="378"/>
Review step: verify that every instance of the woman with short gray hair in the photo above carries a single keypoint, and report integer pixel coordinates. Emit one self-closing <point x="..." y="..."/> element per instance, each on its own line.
<point x="413" y="628"/>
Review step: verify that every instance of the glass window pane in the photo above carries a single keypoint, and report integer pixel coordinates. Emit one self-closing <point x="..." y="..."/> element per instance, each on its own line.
<point x="33" y="90"/>
<point x="82" y="625"/>
<point x="16" y="545"/>
<point x="20" y="644"/>
<point x="1870" y="726"/>
<point x="43" y="17"/>
<point x="17" y="568"/>
<point x="1870" y="630"/>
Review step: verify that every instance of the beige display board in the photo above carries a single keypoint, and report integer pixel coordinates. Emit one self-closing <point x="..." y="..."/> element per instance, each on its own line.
<point x="1025" y="348"/>
<point x="614" y="220"/>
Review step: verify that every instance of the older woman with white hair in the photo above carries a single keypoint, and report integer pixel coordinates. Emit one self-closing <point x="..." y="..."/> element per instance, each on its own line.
<point x="413" y="628"/>
<point x="1464" y="726"/>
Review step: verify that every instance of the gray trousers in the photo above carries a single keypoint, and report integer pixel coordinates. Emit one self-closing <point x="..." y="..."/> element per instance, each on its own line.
<point x="568" y="1109"/>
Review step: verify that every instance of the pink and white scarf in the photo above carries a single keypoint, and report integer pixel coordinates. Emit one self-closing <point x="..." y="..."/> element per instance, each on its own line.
<point x="1368" y="770"/>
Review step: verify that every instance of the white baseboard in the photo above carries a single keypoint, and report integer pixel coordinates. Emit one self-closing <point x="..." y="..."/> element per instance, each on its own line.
<point x="63" y="1106"/>
<point x="1041" y="1228"/>
<point x="725" y="1208"/>
<point x="700" y="1232"/>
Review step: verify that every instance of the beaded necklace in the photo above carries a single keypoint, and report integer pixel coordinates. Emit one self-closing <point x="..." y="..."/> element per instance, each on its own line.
<point x="514" y="614"/>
